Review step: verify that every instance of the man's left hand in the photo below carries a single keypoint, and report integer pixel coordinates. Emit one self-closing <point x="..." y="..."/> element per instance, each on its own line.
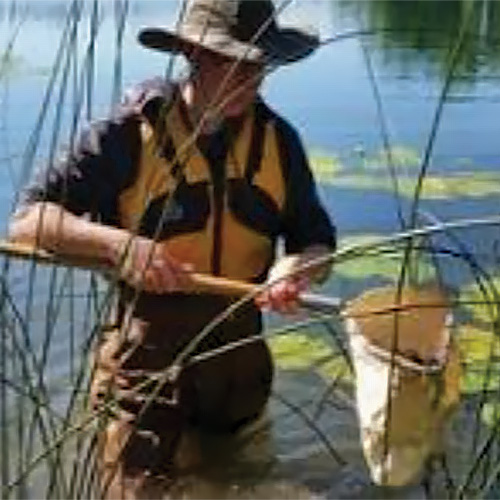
<point x="286" y="283"/>
<point x="291" y="276"/>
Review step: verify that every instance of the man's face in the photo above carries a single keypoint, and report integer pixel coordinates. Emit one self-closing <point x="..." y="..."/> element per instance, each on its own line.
<point x="234" y="84"/>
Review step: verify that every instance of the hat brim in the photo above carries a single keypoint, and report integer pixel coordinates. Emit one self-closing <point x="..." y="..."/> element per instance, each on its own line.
<point x="283" y="46"/>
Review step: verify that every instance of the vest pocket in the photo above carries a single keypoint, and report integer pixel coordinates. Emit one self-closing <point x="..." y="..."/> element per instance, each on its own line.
<point x="185" y="211"/>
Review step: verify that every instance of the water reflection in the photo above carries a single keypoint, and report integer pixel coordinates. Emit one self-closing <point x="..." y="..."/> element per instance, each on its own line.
<point x="420" y="34"/>
<point x="412" y="34"/>
<point x="14" y="11"/>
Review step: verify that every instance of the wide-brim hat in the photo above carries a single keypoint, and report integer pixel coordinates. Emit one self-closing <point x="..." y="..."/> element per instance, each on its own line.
<point x="241" y="29"/>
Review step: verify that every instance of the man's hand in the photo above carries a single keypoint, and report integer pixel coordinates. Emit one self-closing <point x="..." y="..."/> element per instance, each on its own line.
<point x="288" y="279"/>
<point x="141" y="262"/>
<point x="148" y="266"/>
<point x="286" y="284"/>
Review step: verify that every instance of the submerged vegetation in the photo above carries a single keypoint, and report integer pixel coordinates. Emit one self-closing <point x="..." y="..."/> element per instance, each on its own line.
<point x="10" y="65"/>
<point x="14" y="67"/>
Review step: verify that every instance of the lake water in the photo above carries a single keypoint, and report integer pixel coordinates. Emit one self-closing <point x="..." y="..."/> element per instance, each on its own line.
<point x="330" y="99"/>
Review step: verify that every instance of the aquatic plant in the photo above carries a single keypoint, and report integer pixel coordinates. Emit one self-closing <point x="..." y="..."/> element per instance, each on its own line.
<point x="304" y="349"/>
<point x="463" y="185"/>
<point x="475" y="183"/>
<point x="325" y="166"/>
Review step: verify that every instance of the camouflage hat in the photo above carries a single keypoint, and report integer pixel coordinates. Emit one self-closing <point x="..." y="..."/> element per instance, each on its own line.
<point x="241" y="29"/>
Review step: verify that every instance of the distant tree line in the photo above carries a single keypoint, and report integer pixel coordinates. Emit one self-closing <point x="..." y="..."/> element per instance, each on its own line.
<point x="412" y="33"/>
<point x="422" y="32"/>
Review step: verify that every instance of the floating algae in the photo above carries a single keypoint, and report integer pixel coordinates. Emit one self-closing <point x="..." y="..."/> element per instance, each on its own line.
<point x="479" y="347"/>
<point x="482" y="305"/>
<point x="370" y="176"/>
<point x="300" y="350"/>
<point x="436" y="187"/>
<point x="479" y="352"/>
<point x="401" y="158"/>
<point x="386" y="265"/>
<point x="325" y="166"/>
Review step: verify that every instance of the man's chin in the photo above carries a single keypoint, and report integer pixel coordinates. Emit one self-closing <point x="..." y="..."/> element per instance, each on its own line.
<point x="235" y="110"/>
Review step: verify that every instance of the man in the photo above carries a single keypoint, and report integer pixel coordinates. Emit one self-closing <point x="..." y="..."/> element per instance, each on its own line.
<point x="209" y="172"/>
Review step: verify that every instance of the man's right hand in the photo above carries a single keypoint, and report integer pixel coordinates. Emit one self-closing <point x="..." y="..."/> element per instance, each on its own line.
<point x="148" y="266"/>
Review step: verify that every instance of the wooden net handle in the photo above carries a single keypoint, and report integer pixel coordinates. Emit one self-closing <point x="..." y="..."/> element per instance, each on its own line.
<point x="201" y="283"/>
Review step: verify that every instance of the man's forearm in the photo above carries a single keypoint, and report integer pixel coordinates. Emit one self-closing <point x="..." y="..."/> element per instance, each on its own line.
<point x="51" y="227"/>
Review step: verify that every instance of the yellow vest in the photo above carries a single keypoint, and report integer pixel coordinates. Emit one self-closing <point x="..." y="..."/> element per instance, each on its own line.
<point x="228" y="236"/>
